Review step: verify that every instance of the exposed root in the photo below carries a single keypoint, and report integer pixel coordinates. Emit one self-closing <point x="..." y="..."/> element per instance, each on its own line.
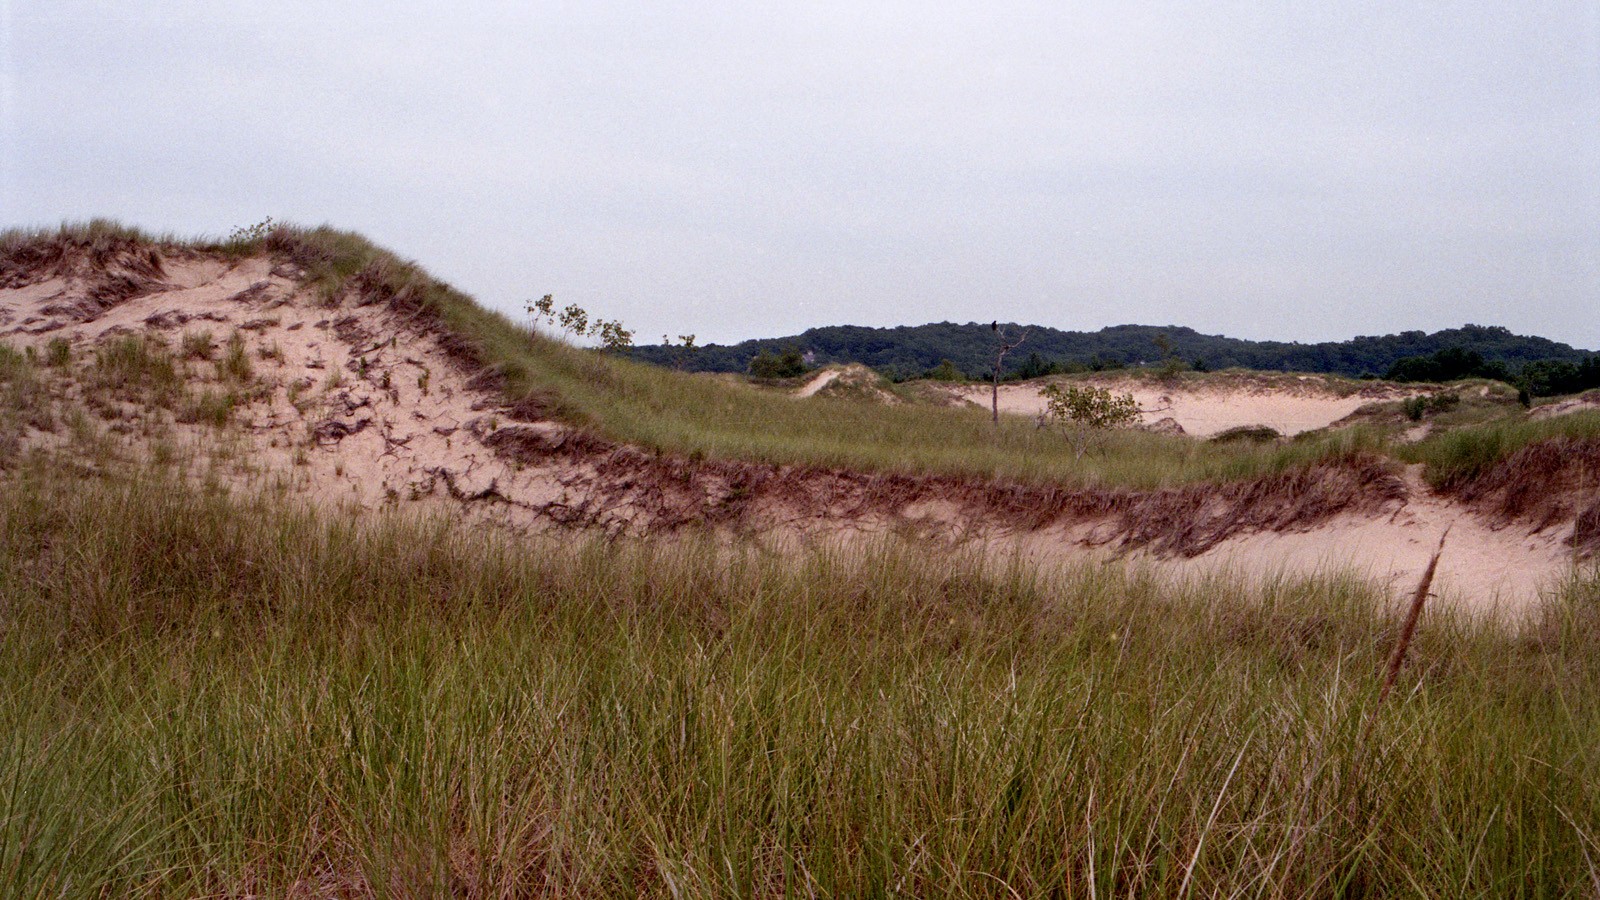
<point x="89" y="254"/>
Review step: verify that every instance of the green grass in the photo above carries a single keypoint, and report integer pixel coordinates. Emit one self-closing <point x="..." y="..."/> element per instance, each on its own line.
<point x="691" y="414"/>
<point x="197" y="345"/>
<point x="212" y="697"/>
<point x="58" y="353"/>
<point x="214" y="408"/>
<point x="24" y="401"/>
<point x="135" y="369"/>
<point x="1455" y="457"/>
<point x="235" y="363"/>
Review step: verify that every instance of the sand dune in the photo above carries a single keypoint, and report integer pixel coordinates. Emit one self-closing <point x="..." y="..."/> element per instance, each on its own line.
<point x="359" y="406"/>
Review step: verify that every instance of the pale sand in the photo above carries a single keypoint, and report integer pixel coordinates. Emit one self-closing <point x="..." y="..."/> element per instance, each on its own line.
<point x="822" y="380"/>
<point x="1285" y="404"/>
<point x="1482" y="568"/>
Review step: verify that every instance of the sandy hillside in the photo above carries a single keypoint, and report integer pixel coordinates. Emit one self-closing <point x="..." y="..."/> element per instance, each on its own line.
<point x="822" y="380"/>
<point x="1288" y="404"/>
<point x="850" y="380"/>
<point x="371" y="405"/>
<point x="1583" y="402"/>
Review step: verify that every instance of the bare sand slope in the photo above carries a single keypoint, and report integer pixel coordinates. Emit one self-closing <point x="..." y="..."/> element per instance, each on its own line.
<point x="822" y="380"/>
<point x="1289" y="404"/>
<point x="357" y="404"/>
<point x="1483" y="567"/>
<point x="1586" y="401"/>
<point x="350" y="405"/>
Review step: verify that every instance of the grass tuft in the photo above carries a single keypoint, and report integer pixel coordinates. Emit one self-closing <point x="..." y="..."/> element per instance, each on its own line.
<point x="235" y="364"/>
<point x="214" y="408"/>
<point x="135" y="368"/>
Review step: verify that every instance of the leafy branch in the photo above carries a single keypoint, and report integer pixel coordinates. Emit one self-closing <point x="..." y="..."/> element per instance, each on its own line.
<point x="574" y="322"/>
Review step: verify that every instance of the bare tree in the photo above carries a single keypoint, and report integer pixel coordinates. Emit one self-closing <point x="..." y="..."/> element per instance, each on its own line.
<point x="1005" y="345"/>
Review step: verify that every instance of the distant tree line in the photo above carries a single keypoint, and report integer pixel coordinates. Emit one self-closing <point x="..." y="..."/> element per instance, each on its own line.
<point x="967" y="351"/>
<point x="1540" y="378"/>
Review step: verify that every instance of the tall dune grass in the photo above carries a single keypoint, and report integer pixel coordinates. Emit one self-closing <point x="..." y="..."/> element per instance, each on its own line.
<point x="206" y="696"/>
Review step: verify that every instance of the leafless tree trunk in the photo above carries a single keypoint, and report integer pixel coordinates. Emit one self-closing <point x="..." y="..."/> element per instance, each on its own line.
<point x="1006" y="346"/>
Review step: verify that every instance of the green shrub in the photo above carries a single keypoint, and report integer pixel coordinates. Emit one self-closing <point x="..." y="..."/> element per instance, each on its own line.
<point x="788" y="364"/>
<point x="1248" y="434"/>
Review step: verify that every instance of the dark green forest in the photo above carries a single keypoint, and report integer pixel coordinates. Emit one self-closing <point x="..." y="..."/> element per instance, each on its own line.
<point x="951" y="350"/>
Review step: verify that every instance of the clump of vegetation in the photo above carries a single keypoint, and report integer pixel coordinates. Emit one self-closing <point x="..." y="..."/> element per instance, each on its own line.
<point x="946" y="371"/>
<point x="247" y="239"/>
<point x="58" y="353"/>
<point x="208" y="407"/>
<point x="197" y="345"/>
<point x="235" y="364"/>
<point x="574" y="321"/>
<point x="1422" y="405"/>
<point x="787" y="364"/>
<point x="14" y="364"/>
<point x="135" y="369"/>
<point x="1086" y="413"/>
<point x="24" y="402"/>
<point x="1248" y="434"/>
<point x="1455" y="457"/>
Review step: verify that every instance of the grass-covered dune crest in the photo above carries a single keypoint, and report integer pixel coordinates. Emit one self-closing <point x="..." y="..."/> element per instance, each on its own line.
<point x="692" y="415"/>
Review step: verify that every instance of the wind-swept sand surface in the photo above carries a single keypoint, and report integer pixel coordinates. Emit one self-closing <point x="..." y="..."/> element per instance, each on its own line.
<point x="1483" y="568"/>
<point x="1288" y="404"/>
<point x="822" y="380"/>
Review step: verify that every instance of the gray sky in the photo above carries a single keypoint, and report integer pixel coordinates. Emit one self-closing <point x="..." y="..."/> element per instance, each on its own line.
<point x="742" y="169"/>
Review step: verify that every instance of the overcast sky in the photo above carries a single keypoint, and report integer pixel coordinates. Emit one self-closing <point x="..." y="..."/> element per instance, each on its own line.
<point x="742" y="169"/>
